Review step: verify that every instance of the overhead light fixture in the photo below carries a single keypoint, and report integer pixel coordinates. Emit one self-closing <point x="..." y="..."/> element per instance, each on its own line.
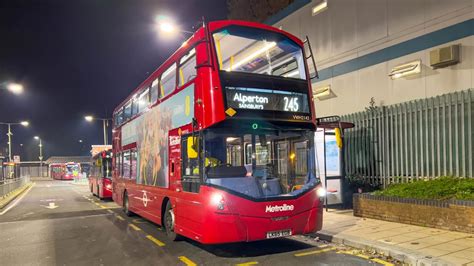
<point x="323" y="5"/>
<point x="407" y="69"/>
<point x="323" y="93"/>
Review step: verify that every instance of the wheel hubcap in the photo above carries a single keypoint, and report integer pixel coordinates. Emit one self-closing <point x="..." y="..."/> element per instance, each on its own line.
<point x="170" y="221"/>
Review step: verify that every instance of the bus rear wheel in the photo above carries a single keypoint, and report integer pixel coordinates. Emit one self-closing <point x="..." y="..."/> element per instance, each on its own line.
<point x="169" y="222"/>
<point x="126" y="205"/>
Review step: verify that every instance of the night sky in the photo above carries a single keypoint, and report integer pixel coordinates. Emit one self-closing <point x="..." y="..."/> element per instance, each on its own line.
<point x="81" y="57"/>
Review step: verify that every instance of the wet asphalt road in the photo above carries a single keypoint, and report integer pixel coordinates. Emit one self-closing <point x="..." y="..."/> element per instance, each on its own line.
<point x="59" y="223"/>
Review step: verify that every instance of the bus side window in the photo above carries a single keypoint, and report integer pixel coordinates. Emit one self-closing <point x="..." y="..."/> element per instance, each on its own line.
<point x="126" y="164"/>
<point x="119" y="117"/>
<point x="134" y="107"/>
<point x="133" y="165"/>
<point x="143" y="100"/>
<point x="127" y="114"/>
<point x="120" y="168"/>
<point x="187" y="69"/>
<point x="168" y="81"/>
<point x="190" y="165"/>
<point x="154" y="91"/>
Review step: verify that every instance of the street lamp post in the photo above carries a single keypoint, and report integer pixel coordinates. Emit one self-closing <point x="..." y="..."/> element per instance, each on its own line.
<point x="105" y="124"/>
<point x="40" y="157"/>
<point x="10" y="134"/>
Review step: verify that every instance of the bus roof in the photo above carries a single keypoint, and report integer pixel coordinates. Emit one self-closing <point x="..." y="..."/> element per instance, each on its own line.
<point x="198" y="35"/>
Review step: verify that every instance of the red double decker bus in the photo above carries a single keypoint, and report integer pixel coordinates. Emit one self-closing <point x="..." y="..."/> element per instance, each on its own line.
<point x="57" y="170"/>
<point x="65" y="171"/>
<point x="100" y="177"/>
<point x="217" y="145"/>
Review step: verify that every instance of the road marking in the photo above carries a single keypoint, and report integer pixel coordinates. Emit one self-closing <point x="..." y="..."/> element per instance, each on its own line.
<point x="102" y="206"/>
<point x="385" y="263"/>
<point x="51" y="206"/>
<point x="17" y="200"/>
<point x="138" y="221"/>
<point x="247" y="263"/>
<point x="136" y="228"/>
<point x="355" y="253"/>
<point x="314" y="252"/>
<point x="120" y="217"/>
<point x="110" y="211"/>
<point x="97" y="204"/>
<point x="156" y="241"/>
<point x="187" y="261"/>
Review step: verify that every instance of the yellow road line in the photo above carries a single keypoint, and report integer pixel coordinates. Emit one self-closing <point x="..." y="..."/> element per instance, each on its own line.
<point x="103" y="207"/>
<point x="120" y="217"/>
<point x="247" y="263"/>
<point x="314" y="252"/>
<point x="97" y="204"/>
<point x="355" y="253"/>
<point x="187" y="261"/>
<point x="110" y="211"/>
<point x="156" y="241"/>
<point x="385" y="263"/>
<point x="136" y="228"/>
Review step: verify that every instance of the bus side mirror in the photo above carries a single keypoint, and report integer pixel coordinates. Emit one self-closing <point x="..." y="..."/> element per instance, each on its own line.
<point x="191" y="147"/>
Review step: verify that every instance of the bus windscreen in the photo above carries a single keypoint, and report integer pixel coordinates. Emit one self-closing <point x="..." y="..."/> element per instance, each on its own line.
<point x="250" y="50"/>
<point x="260" y="165"/>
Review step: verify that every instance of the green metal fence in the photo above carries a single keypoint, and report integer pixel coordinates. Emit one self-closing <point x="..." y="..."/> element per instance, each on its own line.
<point x="418" y="139"/>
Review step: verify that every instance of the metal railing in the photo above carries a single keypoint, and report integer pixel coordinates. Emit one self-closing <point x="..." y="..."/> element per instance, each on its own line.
<point x="8" y="186"/>
<point x="424" y="138"/>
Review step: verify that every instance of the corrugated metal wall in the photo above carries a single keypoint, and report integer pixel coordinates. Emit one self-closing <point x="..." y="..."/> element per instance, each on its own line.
<point x="422" y="138"/>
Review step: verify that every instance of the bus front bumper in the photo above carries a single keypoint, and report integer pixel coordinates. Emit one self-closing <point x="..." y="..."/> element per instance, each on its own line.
<point x="226" y="228"/>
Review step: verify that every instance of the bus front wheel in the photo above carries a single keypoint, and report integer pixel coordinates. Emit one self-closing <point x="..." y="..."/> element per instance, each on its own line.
<point x="169" y="222"/>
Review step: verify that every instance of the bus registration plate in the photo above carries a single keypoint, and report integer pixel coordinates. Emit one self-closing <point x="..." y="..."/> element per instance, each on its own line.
<point x="281" y="233"/>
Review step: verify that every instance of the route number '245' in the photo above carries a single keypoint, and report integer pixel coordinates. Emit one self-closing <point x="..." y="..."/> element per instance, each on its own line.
<point x="291" y="104"/>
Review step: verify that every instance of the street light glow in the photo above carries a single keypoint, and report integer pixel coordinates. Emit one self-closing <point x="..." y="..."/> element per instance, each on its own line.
<point x="167" y="27"/>
<point x="37" y="138"/>
<point x="25" y="123"/>
<point x="89" y="118"/>
<point x="15" y="88"/>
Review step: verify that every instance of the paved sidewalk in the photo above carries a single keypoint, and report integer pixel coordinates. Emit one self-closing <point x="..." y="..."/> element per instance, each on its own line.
<point x="411" y="244"/>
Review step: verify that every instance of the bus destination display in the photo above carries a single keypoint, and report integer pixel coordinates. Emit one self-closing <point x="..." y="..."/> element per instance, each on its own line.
<point x="266" y="100"/>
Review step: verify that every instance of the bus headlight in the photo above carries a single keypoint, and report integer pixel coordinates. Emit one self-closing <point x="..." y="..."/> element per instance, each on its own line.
<point x="321" y="192"/>
<point x="218" y="201"/>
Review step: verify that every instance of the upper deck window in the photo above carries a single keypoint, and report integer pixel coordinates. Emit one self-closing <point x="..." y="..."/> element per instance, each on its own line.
<point x="187" y="69"/>
<point x="119" y="117"/>
<point x="143" y="100"/>
<point x="168" y="81"/>
<point x="250" y="50"/>
<point x="127" y="113"/>
<point x="154" y="91"/>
